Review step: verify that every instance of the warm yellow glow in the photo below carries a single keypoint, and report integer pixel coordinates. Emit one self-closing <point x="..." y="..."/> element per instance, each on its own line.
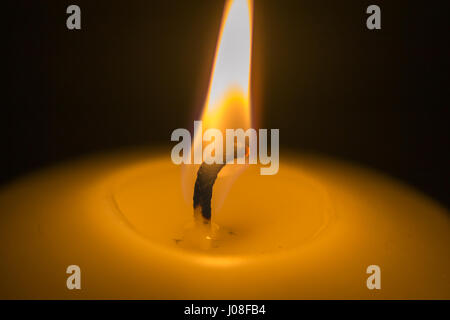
<point x="227" y="104"/>
<point x="228" y="101"/>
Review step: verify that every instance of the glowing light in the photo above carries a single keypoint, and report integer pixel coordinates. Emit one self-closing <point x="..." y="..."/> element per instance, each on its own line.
<point x="228" y="100"/>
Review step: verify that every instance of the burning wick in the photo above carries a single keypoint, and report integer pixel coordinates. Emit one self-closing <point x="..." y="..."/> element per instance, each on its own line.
<point x="206" y="176"/>
<point x="202" y="233"/>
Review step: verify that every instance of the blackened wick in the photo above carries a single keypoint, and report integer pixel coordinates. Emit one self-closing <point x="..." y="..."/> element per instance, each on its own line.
<point x="206" y="176"/>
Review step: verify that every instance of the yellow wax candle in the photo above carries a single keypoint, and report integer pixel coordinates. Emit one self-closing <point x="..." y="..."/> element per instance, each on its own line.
<point x="308" y="232"/>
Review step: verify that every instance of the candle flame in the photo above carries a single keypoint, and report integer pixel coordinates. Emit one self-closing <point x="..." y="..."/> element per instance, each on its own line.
<point x="227" y="103"/>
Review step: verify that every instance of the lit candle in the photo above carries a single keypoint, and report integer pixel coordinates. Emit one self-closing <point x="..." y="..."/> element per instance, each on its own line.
<point x="310" y="231"/>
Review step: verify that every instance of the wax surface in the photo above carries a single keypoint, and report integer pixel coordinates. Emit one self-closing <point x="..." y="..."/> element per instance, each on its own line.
<point x="308" y="232"/>
<point x="148" y="196"/>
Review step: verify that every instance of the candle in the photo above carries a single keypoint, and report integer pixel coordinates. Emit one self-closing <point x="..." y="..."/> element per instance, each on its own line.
<point x="308" y="232"/>
<point x="311" y="230"/>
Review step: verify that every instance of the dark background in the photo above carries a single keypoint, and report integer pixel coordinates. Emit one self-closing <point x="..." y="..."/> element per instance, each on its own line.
<point x="140" y="69"/>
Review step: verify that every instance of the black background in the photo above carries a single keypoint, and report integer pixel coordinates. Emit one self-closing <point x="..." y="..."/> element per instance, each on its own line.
<point x="140" y="69"/>
<point x="175" y="309"/>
